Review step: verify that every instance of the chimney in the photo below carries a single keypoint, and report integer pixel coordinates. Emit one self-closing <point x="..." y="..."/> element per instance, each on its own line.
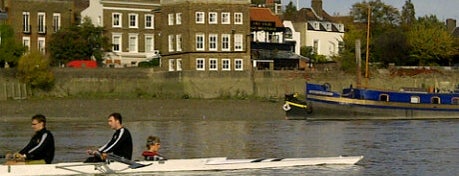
<point x="451" y="24"/>
<point x="317" y="7"/>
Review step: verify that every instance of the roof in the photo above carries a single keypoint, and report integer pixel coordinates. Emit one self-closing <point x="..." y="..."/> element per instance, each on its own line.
<point x="307" y="14"/>
<point x="264" y="15"/>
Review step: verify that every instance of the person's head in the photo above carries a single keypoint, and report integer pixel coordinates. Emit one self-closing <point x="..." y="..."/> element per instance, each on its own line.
<point x="38" y="122"/>
<point x="115" y="121"/>
<point x="153" y="143"/>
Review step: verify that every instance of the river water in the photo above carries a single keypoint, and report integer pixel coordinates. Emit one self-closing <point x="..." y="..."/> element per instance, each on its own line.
<point x="429" y="147"/>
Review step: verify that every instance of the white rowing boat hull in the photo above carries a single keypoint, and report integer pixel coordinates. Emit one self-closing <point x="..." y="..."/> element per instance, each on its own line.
<point x="200" y="164"/>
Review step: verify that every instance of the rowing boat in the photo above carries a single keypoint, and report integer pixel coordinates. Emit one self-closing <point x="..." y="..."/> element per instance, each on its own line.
<point x="121" y="165"/>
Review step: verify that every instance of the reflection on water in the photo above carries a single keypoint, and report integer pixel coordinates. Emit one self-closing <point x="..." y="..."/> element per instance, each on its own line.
<point x="389" y="147"/>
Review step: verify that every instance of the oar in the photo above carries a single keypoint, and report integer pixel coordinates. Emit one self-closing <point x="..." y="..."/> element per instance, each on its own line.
<point x="132" y="164"/>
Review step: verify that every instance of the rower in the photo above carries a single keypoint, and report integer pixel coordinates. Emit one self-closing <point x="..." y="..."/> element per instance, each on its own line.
<point x="153" y="145"/>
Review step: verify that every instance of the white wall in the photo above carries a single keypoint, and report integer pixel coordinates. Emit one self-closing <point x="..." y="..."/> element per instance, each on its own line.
<point x="296" y="36"/>
<point x="95" y="12"/>
<point x="328" y="41"/>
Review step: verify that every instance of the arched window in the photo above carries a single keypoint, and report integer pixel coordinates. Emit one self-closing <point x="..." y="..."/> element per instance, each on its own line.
<point x="455" y="100"/>
<point x="383" y="97"/>
<point x="435" y="100"/>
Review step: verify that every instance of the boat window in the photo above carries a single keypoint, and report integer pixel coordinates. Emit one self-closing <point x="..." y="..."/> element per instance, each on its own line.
<point x="435" y="100"/>
<point x="455" y="100"/>
<point x="414" y="99"/>
<point x="383" y="97"/>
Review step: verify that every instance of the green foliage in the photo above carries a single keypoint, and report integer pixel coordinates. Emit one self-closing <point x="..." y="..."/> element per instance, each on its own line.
<point x="78" y="42"/>
<point x="34" y="70"/>
<point x="290" y="11"/>
<point x="408" y="16"/>
<point x="151" y="63"/>
<point x="10" y="50"/>
<point x="429" y="41"/>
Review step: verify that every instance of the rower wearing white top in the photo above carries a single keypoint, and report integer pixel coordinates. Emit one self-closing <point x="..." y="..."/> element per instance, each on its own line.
<point x="120" y="144"/>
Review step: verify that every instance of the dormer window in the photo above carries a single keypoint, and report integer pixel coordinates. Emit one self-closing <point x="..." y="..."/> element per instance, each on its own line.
<point x="340" y="27"/>
<point x="328" y="26"/>
<point x="316" y="25"/>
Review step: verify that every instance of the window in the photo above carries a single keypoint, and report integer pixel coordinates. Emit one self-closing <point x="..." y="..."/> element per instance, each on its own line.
<point x="226" y="19"/>
<point x="238" y="64"/>
<point x="171" y="65"/>
<point x="149" y="21"/>
<point x="179" y="64"/>
<point x="178" y="18"/>
<point x="315" y="46"/>
<point x="213" y="19"/>
<point x="200" y="18"/>
<point x="238" y="42"/>
<point x="26" y="42"/>
<point x="213" y="64"/>
<point x="41" y="22"/>
<point x="171" y="43"/>
<point x="383" y="97"/>
<point x="116" y="41"/>
<point x="171" y="19"/>
<point x="26" y="22"/>
<point x="133" y="20"/>
<point x="200" y="65"/>
<point x="133" y="43"/>
<point x="56" y="22"/>
<point x="238" y="18"/>
<point x="455" y="100"/>
<point x="226" y="65"/>
<point x="213" y="42"/>
<point x="41" y="45"/>
<point x="415" y="99"/>
<point x="199" y="42"/>
<point x="226" y="42"/>
<point x="116" y="19"/>
<point x="149" y="43"/>
<point x="436" y="100"/>
<point x="178" y="42"/>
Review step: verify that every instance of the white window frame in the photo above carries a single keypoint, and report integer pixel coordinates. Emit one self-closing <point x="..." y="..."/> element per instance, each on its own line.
<point x="200" y="64"/>
<point x="178" y="62"/>
<point x="117" y="20"/>
<point x="56" y="22"/>
<point x="41" y="19"/>
<point x="238" y="64"/>
<point x="213" y="42"/>
<point x="226" y="18"/>
<point x="238" y="42"/>
<point x="170" y="19"/>
<point x="171" y="43"/>
<point x="149" y="43"/>
<point x="213" y="64"/>
<point x="117" y="39"/>
<point x="26" y="22"/>
<point x="200" y="42"/>
<point x="178" y="18"/>
<point x="200" y="17"/>
<point x="226" y="64"/>
<point x="171" y="64"/>
<point x="226" y="42"/>
<point x="149" y="21"/>
<point x="213" y="18"/>
<point x="238" y="18"/>
<point x="133" y="43"/>
<point x="133" y="20"/>
<point x="26" y="42"/>
<point x="41" y="45"/>
<point x="178" y="42"/>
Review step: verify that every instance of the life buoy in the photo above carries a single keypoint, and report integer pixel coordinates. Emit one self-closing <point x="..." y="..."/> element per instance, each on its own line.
<point x="286" y="107"/>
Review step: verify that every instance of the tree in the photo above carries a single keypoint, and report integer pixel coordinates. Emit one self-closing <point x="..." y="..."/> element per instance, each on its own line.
<point x="290" y="11"/>
<point x="78" y="42"/>
<point x="408" y="16"/>
<point x="430" y="42"/>
<point x="382" y="15"/>
<point x="34" y="69"/>
<point x="257" y="2"/>
<point x="10" y="50"/>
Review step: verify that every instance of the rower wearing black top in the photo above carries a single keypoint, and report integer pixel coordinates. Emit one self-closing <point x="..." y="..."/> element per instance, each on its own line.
<point x="40" y="149"/>
<point x="120" y="144"/>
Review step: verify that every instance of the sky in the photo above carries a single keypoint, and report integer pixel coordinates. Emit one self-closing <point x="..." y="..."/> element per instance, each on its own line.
<point x="443" y="9"/>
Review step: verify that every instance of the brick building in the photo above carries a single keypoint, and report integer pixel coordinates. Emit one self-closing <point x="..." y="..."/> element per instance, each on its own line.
<point x="34" y="21"/>
<point x="209" y="35"/>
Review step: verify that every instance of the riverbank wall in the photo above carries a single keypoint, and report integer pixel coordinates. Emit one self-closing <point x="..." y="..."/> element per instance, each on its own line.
<point x="148" y="83"/>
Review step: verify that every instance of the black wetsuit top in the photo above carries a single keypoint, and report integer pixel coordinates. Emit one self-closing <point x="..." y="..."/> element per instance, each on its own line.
<point x="41" y="146"/>
<point x="120" y="144"/>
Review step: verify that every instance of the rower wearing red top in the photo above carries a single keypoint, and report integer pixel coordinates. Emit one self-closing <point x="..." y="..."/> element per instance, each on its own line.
<point x="153" y="145"/>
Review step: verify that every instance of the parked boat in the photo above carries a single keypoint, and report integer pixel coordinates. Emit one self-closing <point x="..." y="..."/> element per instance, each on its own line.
<point x="363" y="103"/>
<point x="121" y="166"/>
